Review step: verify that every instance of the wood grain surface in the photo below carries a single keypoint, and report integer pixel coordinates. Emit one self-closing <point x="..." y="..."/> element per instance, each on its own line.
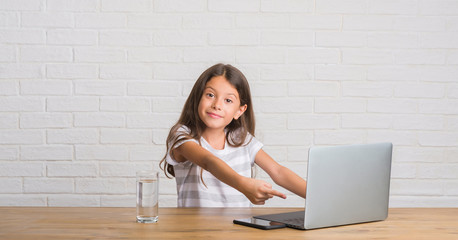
<point x="211" y="223"/>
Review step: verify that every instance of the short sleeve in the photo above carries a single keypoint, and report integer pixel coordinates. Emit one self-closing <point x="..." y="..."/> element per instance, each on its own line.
<point x="180" y="131"/>
<point x="254" y="145"/>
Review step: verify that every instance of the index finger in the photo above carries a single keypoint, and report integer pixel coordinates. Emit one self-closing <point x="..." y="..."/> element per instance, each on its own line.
<point x="274" y="192"/>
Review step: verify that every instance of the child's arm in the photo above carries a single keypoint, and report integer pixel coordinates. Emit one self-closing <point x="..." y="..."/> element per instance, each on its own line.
<point x="281" y="175"/>
<point x="256" y="191"/>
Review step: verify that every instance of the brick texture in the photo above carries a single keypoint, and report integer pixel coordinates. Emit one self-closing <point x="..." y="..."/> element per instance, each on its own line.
<point x="90" y="88"/>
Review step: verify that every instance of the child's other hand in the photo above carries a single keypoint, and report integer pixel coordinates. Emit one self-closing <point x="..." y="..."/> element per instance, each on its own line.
<point x="258" y="191"/>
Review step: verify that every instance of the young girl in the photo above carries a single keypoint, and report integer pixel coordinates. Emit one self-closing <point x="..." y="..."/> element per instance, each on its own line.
<point x="212" y="149"/>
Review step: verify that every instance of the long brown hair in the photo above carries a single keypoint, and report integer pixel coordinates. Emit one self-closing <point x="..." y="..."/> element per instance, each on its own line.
<point x="236" y="131"/>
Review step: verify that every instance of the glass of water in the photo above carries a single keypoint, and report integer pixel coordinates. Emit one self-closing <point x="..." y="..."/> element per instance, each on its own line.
<point x="147" y="196"/>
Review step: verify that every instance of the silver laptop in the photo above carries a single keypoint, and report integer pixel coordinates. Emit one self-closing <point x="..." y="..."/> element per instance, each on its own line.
<point x="345" y="185"/>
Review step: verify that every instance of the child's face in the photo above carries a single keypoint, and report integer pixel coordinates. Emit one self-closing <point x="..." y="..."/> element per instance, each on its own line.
<point x="220" y="103"/>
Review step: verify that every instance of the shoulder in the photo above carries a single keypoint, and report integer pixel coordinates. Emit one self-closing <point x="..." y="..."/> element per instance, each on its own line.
<point x="180" y="135"/>
<point x="251" y="140"/>
<point x="183" y="129"/>
<point x="180" y="132"/>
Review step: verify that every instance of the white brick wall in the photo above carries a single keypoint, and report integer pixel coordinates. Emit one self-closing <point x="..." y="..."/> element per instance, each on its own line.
<point x="89" y="89"/>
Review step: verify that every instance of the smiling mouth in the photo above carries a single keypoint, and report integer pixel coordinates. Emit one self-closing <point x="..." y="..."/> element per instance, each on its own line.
<point x="213" y="115"/>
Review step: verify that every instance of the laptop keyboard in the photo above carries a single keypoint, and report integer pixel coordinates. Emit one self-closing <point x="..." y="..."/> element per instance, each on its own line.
<point x="295" y="222"/>
<point x="291" y="219"/>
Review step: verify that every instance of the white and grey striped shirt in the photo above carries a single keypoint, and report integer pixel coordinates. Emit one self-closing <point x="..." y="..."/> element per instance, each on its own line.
<point x="192" y="192"/>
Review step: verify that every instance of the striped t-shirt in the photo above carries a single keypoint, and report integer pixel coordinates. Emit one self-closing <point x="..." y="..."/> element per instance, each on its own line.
<point x="193" y="193"/>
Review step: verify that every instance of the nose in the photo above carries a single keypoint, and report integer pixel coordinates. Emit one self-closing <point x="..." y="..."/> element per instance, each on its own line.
<point x="216" y="104"/>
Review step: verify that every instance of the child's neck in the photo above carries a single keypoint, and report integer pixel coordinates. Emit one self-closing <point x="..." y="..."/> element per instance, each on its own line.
<point x="216" y="138"/>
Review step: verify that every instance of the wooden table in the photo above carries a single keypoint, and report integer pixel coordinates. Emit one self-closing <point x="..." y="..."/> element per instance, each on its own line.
<point x="211" y="223"/>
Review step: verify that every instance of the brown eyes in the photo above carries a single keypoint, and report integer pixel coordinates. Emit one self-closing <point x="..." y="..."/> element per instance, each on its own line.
<point x="211" y="95"/>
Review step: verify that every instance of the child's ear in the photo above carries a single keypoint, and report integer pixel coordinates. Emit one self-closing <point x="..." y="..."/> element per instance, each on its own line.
<point x="241" y="110"/>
